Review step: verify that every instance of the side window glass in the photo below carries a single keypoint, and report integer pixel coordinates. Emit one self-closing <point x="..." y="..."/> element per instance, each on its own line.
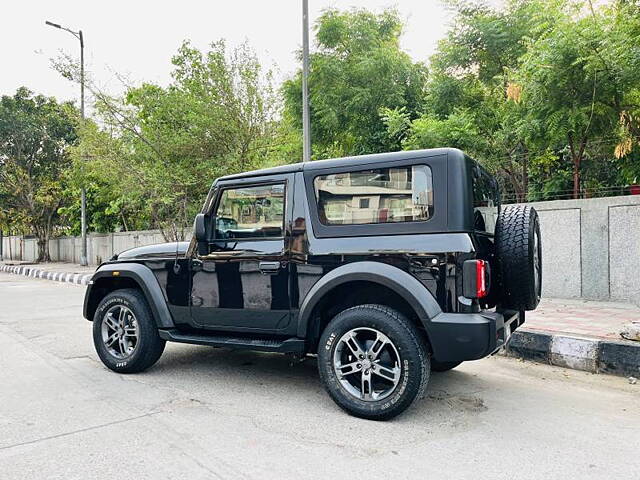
<point x="386" y="195"/>
<point x="486" y="198"/>
<point x="250" y="212"/>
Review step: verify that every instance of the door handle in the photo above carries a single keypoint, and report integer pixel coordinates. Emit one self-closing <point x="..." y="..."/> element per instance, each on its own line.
<point x="223" y="254"/>
<point x="269" y="267"/>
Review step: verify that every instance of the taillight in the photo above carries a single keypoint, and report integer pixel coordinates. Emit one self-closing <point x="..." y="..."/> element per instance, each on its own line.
<point x="481" y="279"/>
<point x="476" y="278"/>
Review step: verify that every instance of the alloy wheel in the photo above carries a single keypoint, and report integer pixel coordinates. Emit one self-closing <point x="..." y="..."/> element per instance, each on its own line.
<point x="367" y="364"/>
<point x="120" y="331"/>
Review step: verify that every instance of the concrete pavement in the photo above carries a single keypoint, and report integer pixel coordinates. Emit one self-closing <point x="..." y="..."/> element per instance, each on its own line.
<point x="207" y="413"/>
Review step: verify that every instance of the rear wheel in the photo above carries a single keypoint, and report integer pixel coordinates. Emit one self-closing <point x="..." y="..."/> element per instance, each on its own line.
<point x="124" y="333"/>
<point x="373" y="362"/>
<point x="519" y="252"/>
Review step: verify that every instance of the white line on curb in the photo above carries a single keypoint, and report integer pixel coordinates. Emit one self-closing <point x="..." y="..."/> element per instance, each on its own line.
<point x="576" y="353"/>
<point x="73" y="278"/>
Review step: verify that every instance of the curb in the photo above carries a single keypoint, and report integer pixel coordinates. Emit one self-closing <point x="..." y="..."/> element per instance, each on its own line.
<point x="74" y="278"/>
<point x="617" y="357"/>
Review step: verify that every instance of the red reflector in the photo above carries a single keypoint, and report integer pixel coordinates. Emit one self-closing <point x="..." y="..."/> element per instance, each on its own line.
<point x="481" y="278"/>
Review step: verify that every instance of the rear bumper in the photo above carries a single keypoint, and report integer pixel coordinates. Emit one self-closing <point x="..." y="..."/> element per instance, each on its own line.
<point x="457" y="337"/>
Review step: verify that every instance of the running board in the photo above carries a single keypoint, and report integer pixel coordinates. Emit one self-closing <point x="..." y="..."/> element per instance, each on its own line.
<point x="289" y="345"/>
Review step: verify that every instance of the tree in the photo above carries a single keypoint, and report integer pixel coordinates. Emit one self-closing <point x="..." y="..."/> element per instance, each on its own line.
<point x="99" y="161"/>
<point x="531" y="85"/>
<point x="567" y="89"/>
<point x="357" y="71"/>
<point x="160" y="148"/>
<point x="485" y="42"/>
<point x="35" y="134"/>
<point x="469" y="100"/>
<point x="619" y="57"/>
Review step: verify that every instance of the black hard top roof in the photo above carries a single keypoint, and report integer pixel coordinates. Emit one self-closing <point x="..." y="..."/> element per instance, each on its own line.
<point x="365" y="160"/>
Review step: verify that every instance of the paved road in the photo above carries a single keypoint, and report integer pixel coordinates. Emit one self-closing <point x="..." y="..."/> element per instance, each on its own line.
<point x="207" y="413"/>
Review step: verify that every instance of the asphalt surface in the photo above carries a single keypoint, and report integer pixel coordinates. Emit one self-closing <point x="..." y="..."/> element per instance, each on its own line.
<point x="211" y="413"/>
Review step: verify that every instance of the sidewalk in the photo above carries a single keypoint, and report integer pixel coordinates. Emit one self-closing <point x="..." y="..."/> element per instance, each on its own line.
<point x="578" y="334"/>
<point x="582" y="317"/>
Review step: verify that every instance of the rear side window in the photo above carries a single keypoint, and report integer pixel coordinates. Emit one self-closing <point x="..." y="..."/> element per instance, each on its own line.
<point x="486" y="201"/>
<point x="385" y="195"/>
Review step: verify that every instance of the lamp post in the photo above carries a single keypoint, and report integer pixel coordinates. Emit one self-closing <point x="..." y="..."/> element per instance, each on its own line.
<point x="83" y="191"/>
<point x="306" y="122"/>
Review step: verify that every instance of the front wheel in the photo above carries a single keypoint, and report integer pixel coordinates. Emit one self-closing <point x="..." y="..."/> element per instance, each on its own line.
<point x="373" y="362"/>
<point x="124" y="333"/>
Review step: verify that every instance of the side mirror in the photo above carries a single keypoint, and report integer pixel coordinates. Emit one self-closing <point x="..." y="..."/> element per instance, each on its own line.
<point x="200" y="228"/>
<point x="200" y="232"/>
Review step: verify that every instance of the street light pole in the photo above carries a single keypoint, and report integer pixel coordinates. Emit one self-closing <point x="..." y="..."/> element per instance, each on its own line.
<point x="306" y="123"/>
<point x="83" y="190"/>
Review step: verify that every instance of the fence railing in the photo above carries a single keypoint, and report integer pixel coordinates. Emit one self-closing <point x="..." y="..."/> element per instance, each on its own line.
<point x="584" y="193"/>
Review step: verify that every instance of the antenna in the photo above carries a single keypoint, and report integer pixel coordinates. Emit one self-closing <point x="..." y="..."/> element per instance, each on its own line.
<point x="176" y="265"/>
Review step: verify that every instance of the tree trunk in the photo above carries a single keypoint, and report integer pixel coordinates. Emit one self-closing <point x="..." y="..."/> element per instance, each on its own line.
<point x="576" y="178"/>
<point x="525" y="177"/>
<point x="515" y="183"/>
<point x="43" y="249"/>
<point x="576" y="158"/>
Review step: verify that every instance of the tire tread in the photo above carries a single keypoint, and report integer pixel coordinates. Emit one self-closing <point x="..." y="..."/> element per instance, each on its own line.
<point x="513" y="238"/>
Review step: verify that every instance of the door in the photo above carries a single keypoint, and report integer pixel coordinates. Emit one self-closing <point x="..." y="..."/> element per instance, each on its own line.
<point x="241" y="283"/>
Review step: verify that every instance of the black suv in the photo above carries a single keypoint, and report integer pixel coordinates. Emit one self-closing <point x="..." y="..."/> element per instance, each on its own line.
<point x="385" y="266"/>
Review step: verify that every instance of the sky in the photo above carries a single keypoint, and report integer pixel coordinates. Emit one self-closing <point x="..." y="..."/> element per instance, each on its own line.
<point x="137" y="38"/>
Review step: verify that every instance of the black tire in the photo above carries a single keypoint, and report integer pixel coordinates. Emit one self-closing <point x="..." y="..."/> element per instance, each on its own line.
<point x="148" y="347"/>
<point x="519" y="255"/>
<point x="412" y="365"/>
<point x="443" y="366"/>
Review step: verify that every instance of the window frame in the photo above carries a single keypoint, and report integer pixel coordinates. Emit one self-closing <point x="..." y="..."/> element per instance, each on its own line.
<point x="240" y="185"/>
<point x="437" y="222"/>
<point x="367" y="198"/>
<point x="483" y="173"/>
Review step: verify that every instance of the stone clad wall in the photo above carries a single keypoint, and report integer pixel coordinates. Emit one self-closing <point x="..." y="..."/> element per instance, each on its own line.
<point x="591" y="247"/>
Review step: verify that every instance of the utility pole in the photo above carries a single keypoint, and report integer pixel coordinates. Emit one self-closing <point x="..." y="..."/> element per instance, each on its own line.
<point x="83" y="190"/>
<point x="306" y="123"/>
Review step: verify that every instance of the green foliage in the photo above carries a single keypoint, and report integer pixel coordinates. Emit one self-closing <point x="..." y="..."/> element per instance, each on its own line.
<point x="358" y="71"/>
<point x="532" y="80"/>
<point x="457" y="130"/>
<point x="35" y="132"/>
<point x="466" y="104"/>
<point x="161" y="148"/>
<point x="483" y="42"/>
